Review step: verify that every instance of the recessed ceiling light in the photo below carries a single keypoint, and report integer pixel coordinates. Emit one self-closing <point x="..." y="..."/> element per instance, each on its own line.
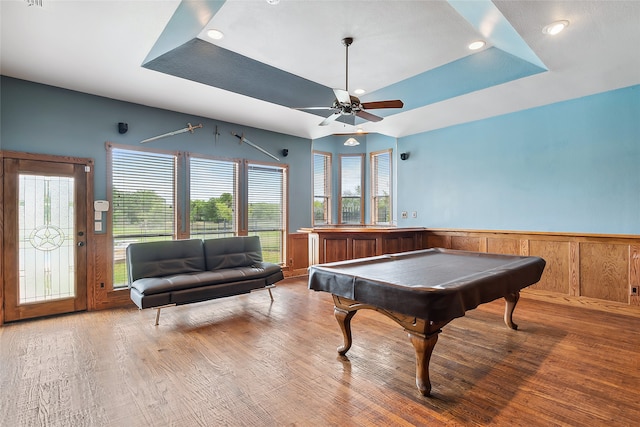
<point x="555" y="27"/>
<point x="359" y="91"/>
<point x="478" y="44"/>
<point x="215" y="34"/>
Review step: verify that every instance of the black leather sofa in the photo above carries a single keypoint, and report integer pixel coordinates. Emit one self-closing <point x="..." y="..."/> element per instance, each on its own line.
<point x="176" y="272"/>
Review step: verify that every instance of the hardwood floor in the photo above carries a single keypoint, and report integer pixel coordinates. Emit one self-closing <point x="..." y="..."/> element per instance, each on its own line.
<point x="247" y="361"/>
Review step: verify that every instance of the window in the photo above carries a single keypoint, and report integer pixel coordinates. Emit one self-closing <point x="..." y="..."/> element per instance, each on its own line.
<point x="161" y="195"/>
<point x="266" y="210"/>
<point x="351" y="175"/>
<point x="321" y="188"/>
<point x="381" y="187"/>
<point x="143" y="201"/>
<point x="212" y="198"/>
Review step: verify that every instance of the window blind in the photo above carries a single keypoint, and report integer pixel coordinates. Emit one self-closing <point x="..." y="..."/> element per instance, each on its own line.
<point x="351" y="189"/>
<point x="213" y="198"/>
<point x="321" y="188"/>
<point x="143" y="201"/>
<point x="381" y="187"/>
<point x="266" y="190"/>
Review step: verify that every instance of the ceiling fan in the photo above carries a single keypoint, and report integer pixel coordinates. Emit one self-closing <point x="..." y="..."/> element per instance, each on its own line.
<point x="349" y="105"/>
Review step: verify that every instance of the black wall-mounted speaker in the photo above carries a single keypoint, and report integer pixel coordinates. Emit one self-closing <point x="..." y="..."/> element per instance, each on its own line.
<point x="404" y="156"/>
<point x="285" y="152"/>
<point x="123" y="127"/>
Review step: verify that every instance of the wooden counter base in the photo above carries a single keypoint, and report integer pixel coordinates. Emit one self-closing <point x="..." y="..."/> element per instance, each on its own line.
<point x="333" y="244"/>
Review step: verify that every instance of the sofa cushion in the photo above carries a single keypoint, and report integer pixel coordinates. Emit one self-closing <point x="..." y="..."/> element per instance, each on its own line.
<point x="164" y="258"/>
<point x="230" y="252"/>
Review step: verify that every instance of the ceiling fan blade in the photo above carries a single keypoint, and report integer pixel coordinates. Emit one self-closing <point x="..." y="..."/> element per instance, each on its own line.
<point x="396" y="103"/>
<point x="314" y="108"/>
<point x="368" y="116"/>
<point x="342" y="96"/>
<point x="330" y="119"/>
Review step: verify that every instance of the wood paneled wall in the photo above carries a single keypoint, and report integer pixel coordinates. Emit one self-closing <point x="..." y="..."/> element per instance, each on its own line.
<point x="101" y="292"/>
<point x="339" y="244"/>
<point x="587" y="269"/>
<point x="297" y="254"/>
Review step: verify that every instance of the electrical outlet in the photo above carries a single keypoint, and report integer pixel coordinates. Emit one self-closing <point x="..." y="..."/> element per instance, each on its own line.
<point x="405" y="215"/>
<point x="634" y="290"/>
<point x="414" y="214"/>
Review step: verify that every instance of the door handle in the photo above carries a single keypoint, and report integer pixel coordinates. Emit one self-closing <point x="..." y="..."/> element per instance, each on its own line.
<point x="80" y="243"/>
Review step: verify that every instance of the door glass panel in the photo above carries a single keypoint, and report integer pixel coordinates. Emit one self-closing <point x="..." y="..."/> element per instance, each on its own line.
<point x="46" y="239"/>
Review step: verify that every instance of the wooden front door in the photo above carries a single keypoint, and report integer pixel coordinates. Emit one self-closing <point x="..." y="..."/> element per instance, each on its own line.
<point x="44" y="238"/>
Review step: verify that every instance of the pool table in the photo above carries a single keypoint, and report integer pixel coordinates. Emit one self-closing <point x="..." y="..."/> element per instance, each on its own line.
<point x="424" y="290"/>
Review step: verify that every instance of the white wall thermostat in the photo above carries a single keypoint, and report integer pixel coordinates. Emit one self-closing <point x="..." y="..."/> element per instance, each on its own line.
<point x="101" y="205"/>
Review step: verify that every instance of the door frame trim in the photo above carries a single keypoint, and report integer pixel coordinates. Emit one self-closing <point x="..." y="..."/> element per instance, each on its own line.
<point x="89" y="184"/>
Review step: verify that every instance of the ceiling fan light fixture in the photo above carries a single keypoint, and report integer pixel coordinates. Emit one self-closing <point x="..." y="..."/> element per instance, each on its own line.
<point x="555" y="27"/>
<point x="215" y="34"/>
<point x="478" y="44"/>
<point x="359" y="91"/>
<point x="351" y="142"/>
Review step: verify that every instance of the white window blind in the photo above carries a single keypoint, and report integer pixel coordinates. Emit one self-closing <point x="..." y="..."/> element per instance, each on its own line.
<point x="381" y="187"/>
<point x="321" y="188"/>
<point x="143" y="201"/>
<point x="213" y="198"/>
<point x="351" y="189"/>
<point x="266" y="195"/>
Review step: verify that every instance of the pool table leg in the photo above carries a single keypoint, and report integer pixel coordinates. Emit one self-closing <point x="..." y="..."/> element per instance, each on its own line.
<point x="344" y="320"/>
<point x="511" y="301"/>
<point x="422" y="333"/>
<point x="423" y="344"/>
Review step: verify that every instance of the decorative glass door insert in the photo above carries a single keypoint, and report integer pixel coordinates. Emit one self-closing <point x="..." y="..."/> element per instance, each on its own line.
<point x="46" y="238"/>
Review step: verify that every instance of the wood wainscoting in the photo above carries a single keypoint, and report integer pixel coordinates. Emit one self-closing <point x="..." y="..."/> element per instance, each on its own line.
<point x="340" y="243"/>
<point x="597" y="271"/>
<point x="297" y="254"/>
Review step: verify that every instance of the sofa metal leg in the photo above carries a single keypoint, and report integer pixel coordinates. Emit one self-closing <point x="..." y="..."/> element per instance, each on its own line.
<point x="157" y="317"/>
<point x="268" y="288"/>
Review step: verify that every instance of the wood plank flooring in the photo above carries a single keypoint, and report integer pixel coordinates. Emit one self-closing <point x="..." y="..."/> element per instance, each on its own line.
<point x="244" y="361"/>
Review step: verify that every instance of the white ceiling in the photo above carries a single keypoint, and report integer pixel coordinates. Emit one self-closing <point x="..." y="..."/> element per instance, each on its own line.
<point x="99" y="46"/>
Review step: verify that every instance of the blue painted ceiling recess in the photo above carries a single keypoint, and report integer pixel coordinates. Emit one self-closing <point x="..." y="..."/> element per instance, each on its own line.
<point x="274" y="57"/>
<point x="207" y="63"/>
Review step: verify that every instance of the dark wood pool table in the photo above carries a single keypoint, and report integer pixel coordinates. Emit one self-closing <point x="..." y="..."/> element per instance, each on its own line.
<point x="424" y="290"/>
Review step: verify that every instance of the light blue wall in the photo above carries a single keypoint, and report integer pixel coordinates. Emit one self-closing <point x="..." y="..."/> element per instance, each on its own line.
<point x="571" y="166"/>
<point x="44" y="119"/>
<point x="567" y="167"/>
